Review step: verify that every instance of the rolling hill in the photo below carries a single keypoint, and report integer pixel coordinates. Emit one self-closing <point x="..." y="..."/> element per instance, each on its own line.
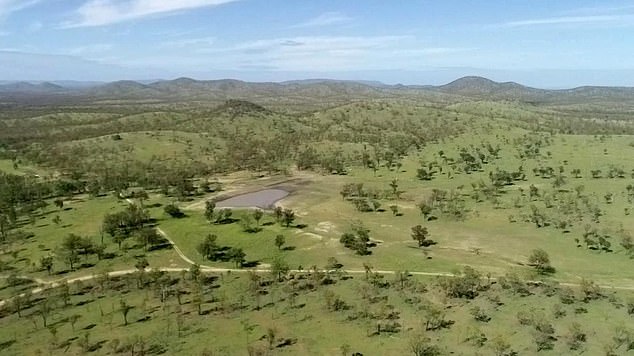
<point x="322" y="92"/>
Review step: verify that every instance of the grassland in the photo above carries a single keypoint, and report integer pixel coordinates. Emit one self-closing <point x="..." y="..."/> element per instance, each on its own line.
<point x="319" y="312"/>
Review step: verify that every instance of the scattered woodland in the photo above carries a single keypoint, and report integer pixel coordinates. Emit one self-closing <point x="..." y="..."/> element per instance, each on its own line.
<point x="475" y="218"/>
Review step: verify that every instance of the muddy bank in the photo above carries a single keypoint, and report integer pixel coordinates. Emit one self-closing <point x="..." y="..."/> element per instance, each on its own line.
<point x="264" y="199"/>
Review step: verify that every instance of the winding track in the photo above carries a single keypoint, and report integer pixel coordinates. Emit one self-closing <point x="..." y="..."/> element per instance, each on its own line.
<point x="44" y="284"/>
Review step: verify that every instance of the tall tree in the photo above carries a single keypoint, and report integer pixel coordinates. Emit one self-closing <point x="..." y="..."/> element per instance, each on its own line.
<point x="279" y="241"/>
<point x="420" y="234"/>
<point x="124" y="308"/>
<point x="257" y="215"/>
<point x="46" y="262"/>
<point x="236" y="255"/>
<point x="210" y="206"/>
<point x="279" y="267"/>
<point x="68" y="252"/>
<point x="148" y="236"/>
<point x="208" y="248"/>
<point x="541" y="261"/>
<point x="288" y="217"/>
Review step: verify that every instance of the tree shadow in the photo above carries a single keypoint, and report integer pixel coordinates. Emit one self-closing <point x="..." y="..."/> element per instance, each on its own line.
<point x="250" y="264"/>
<point x="96" y="346"/>
<point x="162" y="246"/>
<point x="227" y="221"/>
<point x="253" y="230"/>
<point x="6" y="344"/>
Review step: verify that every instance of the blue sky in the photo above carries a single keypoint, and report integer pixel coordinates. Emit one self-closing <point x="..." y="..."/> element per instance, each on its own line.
<point x="542" y="43"/>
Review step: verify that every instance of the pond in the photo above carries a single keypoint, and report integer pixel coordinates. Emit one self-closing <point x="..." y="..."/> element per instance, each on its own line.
<point x="264" y="199"/>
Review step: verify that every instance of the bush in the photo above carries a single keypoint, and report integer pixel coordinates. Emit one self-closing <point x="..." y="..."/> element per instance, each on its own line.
<point x="480" y="315"/>
<point x="173" y="211"/>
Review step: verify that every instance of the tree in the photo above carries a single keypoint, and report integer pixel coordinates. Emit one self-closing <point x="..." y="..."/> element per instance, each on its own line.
<point x="86" y="247"/>
<point x="173" y="210"/>
<point x="425" y="209"/>
<point x="270" y="336"/>
<point x="224" y="215"/>
<point x="257" y="215"/>
<point x="59" y="203"/>
<point x="210" y="205"/>
<point x="279" y="267"/>
<point x="148" y="236"/>
<point x="195" y="272"/>
<point x="141" y="264"/>
<point x="278" y="213"/>
<point x="44" y="309"/>
<point x="333" y="264"/>
<point x="394" y="186"/>
<point x="118" y="238"/>
<point x="501" y="346"/>
<point x="280" y="240"/>
<point x="246" y="221"/>
<point x="236" y="255"/>
<point x="394" y="209"/>
<point x="421" y="234"/>
<point x="73" y="320"/>
<point x="541" y="261"/>
<point x="357" y="239"/>
<point x="64" y="292"/>
<point x="575" y="337"/>
<point x="288" y="217"/>
<point x="46" y="262"/>
<point x="208" y="248"/>
<point x="69" y="250"/>
<point x="197" y="298"/>
<point x="124" y="308"/>
<point x="20" y="302"/>
<point x="99" y="250"/>
<point x="4" y="227"/>
<point x="420" y="345"/>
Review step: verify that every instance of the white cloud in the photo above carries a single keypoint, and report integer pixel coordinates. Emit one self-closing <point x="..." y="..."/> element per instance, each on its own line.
<point x="105" y="12"/>
<point x="309" y="53"/>
<point x="92" y="49"/>
<point x="565" y="20"/>
<point x="200" y="43"/>
<point x="326" y="19"/>
<point x="9" y="6"/>
<point x="600" y="10"/>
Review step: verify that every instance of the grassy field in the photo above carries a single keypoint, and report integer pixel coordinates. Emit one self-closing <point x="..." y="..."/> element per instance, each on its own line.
<point x="585" y="196"/>
<point x="82" y="216"/>
<point x="485" y="239"/>
<point x="233" y="319"/>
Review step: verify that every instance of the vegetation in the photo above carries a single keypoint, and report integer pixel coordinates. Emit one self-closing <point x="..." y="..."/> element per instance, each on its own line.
<point x="458" y="226"/>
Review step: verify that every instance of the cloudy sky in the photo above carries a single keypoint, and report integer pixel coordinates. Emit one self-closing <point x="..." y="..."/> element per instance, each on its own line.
<point x="541" y="43"/>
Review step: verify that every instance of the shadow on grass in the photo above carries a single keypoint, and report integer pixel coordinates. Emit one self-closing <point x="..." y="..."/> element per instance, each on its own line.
<point x="250" y="264"/>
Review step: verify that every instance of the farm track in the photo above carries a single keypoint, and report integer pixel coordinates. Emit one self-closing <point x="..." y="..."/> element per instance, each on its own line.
<point x="47" y="284"/>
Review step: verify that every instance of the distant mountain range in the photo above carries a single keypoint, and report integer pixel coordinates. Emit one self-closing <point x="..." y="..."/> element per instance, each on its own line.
<point x="313" y="89"/>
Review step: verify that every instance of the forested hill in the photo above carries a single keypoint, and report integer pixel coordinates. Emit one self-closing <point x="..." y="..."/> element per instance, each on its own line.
<point x="319" y="92"/>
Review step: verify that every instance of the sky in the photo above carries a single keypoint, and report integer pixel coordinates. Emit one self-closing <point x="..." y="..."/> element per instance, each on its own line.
<point x="541" y="43"/>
